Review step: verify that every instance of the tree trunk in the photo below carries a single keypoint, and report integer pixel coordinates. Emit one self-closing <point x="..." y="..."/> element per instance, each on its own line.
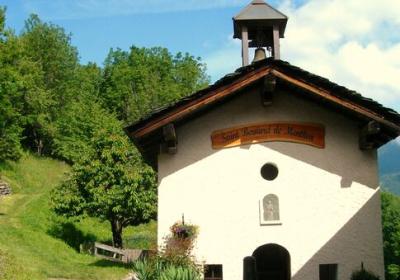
<point x="116" y="228"/>
<point x="38" y="142"/>
<point x="40" y="147"/>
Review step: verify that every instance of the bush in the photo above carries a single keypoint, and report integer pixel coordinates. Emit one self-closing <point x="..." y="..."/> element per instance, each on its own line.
<point x="159" y="268"/>
<point x="391" y="235"/>
<point x="172" y="272"/>
<point x="174" y="261"/>
<point x="394" y="271"/>
<point x="364" y="275"/>
<point x="147" y="269"/>
<point x="179" y="244"/>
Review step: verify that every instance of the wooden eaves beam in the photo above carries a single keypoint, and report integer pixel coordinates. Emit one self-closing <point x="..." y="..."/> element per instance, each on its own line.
<point x="246" y="80"/>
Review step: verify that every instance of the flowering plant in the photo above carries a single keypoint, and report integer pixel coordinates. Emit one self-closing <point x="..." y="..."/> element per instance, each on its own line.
<point x="180" y="230"/>
<point x="179" y="244"/>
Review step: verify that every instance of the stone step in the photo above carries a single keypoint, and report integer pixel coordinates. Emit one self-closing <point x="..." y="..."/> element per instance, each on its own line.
<point x="5" y="189"/>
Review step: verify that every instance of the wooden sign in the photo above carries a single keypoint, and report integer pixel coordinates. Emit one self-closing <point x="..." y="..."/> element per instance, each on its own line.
<point x="303" y="133"/>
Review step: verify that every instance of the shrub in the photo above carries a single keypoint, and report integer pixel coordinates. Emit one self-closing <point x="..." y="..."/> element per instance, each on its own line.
<point x="364" y="275"/>
<point x="394" y="271"/>
<point x="172" y="272"/>
<point x="161" y="269"/>
<point x="179" y="244"/>
<point x="147" y="269"/>
<point x="174" y="261"/>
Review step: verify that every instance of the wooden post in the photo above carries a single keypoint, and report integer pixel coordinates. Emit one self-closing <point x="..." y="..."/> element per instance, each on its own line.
<point x="245" y="46"/>
<point x="267" y="89"/>
<point x="367" y="137"/>
<point x="170" y="138"/>
<point x="249" y="268"/>
<point x="276" y="50"/>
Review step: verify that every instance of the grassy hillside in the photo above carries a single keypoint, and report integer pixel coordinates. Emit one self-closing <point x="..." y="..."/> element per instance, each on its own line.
<point x="35" y="244"/>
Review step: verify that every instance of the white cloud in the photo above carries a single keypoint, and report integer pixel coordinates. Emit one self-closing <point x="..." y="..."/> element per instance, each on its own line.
<point x="225" y="60"/>
<point x="355" y="43"/>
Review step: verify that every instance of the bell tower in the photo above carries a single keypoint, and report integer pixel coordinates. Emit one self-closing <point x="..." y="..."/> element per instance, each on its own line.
<point x="259" y="26"/>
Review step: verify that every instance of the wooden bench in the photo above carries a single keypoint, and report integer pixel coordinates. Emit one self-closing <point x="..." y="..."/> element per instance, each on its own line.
<point x="118" y="255"/>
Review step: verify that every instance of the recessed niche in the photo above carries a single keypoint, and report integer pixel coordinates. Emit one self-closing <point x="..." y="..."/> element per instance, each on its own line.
<point x="269" y="210"/>
<point x="269" y="171"/>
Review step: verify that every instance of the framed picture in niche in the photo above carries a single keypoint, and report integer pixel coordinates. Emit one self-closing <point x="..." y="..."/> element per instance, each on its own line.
<point x="269" y="210"/>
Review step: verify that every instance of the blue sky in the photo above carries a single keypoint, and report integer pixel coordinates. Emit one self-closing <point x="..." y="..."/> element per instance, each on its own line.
<point x="355" y="43"/>
<point x="198" y="27"/>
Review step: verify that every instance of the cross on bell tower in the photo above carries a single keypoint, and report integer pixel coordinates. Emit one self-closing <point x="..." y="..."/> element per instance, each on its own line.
<point x="259" y="26"/>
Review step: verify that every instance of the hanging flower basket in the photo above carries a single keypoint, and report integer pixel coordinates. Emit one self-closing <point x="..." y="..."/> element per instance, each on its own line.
<point x="184" y="231"/>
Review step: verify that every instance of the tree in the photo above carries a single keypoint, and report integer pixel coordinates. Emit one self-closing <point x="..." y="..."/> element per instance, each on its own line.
<point x="76" y="126"/>
<point x="81" y="118"/>
<point x="10" y="97"/>
<point x="50" y="64"/>
<point x="111" y="183"/>
<point x="143" y="79"/>
<point x="391" y="234"/>
<point x="50" y="47"/>
<point x="2" y="19"/>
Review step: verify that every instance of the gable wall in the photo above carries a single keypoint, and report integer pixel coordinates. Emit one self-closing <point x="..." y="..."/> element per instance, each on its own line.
<point x="329" y="198"/>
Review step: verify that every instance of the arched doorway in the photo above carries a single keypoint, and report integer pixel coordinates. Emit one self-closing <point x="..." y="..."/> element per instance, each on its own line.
<point x="272" y="262"/>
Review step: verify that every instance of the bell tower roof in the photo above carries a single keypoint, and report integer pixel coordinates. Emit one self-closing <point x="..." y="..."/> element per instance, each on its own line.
<point x="258" y="9"/>
<point x="261" y="14"/>
<point x="259" y="26"/>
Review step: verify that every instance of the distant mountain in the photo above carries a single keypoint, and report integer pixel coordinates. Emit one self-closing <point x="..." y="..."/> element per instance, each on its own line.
<point x="389" y="166"/>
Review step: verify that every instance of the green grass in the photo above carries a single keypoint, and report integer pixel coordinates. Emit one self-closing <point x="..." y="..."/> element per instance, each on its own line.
<point x="143" y="236"/>
<point x="36" y="244"/>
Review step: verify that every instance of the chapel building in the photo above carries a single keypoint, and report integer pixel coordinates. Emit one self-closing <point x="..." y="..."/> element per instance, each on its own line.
<point x="277" y="166"/>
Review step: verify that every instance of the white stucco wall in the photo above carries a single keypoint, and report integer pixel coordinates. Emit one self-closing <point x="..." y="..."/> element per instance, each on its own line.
<point x="329" y="198"/>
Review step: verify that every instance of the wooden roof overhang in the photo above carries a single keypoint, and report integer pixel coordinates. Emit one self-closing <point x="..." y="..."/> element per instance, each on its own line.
<point x="147" y="133"/>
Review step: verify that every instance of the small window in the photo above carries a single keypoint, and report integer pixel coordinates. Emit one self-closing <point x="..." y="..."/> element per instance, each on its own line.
<point x="328" y="272"/>
<point x="213" y="272"/>
<point x="269" y="171"/>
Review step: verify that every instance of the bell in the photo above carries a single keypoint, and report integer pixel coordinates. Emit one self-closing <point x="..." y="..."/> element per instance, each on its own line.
<point x="259" y="54"/>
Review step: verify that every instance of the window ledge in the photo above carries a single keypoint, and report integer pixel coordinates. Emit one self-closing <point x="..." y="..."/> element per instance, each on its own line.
<point x="271" y="223"/>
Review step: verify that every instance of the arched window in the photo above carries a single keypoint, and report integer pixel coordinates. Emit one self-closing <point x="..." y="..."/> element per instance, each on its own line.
<point x="269" y="209"/>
